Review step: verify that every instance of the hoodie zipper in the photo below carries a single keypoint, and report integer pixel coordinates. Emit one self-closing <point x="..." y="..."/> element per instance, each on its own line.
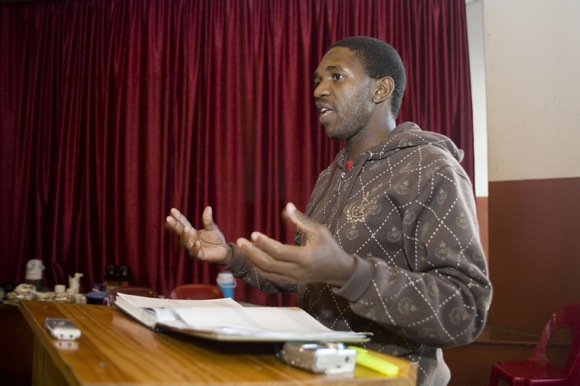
<point x="342" y="177"/>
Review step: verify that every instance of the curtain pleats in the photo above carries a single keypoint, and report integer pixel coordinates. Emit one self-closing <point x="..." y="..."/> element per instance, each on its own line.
<point x="114" y="111"/>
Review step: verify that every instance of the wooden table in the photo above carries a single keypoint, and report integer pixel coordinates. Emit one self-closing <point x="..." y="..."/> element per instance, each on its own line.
<point x="16" y="347"/>
<point x="115" y="350"/>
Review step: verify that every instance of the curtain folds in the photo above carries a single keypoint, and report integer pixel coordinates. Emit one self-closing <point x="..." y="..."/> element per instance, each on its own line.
<point x="114" y="111"/>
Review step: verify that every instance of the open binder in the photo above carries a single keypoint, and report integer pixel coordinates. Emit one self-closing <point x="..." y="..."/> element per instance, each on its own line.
<point x="227" y="320"/>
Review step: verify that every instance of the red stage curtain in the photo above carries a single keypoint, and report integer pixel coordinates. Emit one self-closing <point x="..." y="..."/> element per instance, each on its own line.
<point x="114" y="111"/>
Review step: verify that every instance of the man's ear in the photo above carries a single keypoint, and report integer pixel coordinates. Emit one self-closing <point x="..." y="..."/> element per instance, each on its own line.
<point x="384" y="89"/>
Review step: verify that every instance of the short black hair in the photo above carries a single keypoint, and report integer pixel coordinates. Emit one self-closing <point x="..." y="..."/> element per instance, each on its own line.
<point x="379" y="59"/>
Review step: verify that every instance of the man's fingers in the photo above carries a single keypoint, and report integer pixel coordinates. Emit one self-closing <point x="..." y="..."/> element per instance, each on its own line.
<point x="170" y="222"/>
<point x="176" y="214"/>
<point x="265" y="256"/>
<point x="179" y="224"/>
<point x="181" y="227"/>
<point x="276" y="249"/>
<point x="173" y="225"/>
<point x="180" y="218"/>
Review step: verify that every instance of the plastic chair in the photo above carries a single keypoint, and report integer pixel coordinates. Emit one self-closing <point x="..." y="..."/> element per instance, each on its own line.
<point x="196" y="292"/>
<point x="537" y="369"/>
<point x="109" y="299"/>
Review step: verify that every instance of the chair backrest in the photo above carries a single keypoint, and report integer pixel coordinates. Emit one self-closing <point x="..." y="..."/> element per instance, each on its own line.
<point x="567" y="316"/>
<point x="109" y="299"/>
<point x="573" y="378"/>
<point x="196" y="292"/>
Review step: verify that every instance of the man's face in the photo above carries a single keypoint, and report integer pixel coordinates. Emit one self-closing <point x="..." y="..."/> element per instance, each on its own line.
<point x="343" y="94"/>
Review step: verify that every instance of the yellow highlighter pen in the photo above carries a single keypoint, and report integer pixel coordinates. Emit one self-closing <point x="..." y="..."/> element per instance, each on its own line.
<point x="367" y="359"/>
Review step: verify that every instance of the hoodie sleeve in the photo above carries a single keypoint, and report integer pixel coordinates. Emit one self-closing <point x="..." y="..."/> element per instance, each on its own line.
<point x="442" y="296"/>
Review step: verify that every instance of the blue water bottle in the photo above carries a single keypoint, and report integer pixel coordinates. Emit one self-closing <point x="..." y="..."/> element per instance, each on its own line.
<point x="227" y="283"/>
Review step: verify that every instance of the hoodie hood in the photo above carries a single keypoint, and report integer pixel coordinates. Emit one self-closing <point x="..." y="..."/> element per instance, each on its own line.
<point x="408" y="134"/>
<point x="405" y="135"/>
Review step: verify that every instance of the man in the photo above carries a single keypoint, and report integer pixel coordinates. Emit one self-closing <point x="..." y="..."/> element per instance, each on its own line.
<point x="389" y="243"/>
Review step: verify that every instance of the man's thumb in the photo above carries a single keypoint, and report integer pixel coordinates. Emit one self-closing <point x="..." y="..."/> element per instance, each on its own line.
<point x="208" y="222"/>
<point x="299" y="219"/>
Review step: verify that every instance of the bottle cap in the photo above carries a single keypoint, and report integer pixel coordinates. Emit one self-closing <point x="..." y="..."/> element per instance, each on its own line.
<point x="225" y="278"/>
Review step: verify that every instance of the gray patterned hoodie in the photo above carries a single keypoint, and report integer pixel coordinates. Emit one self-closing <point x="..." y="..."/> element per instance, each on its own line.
<point x="406" y="212"/>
